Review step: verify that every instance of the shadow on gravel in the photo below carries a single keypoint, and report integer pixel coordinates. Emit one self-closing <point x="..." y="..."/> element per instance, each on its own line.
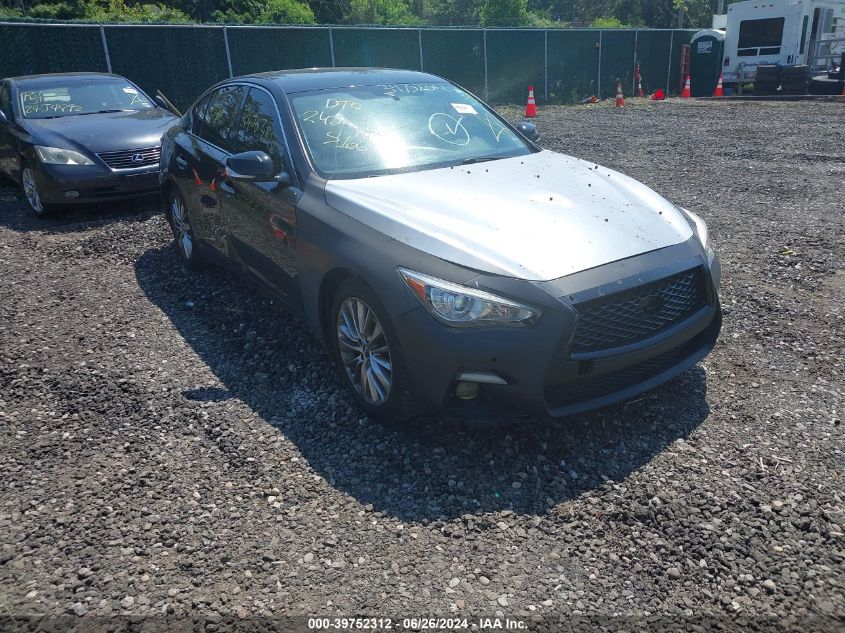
<point x="433" y="472"/>
<point x="15" y="215"/>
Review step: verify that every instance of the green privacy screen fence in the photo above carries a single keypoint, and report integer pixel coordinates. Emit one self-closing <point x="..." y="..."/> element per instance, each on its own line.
<point x="563" y="65"/>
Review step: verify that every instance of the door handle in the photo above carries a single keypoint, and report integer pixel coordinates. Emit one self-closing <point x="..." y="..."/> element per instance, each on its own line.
<point x="227" y="188"/>
<point x="181" y="163"/>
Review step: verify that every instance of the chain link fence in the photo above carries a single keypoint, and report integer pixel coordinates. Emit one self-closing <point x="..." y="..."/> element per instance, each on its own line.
<point x="563" y="65"/>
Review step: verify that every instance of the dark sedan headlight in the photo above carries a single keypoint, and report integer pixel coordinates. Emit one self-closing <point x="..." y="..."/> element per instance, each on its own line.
<point x="60" y="156"/>
<point x="460" y="306"/>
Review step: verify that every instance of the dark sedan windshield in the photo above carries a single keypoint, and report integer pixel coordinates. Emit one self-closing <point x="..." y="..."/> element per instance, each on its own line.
<point x="367" y="130"/>
<point x="73" y="98"/>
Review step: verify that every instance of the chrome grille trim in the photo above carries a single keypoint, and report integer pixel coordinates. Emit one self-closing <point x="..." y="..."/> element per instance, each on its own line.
<point x="123" y="159"/>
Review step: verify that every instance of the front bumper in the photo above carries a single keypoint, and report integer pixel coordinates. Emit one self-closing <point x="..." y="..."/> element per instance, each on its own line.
<point x="71" y="184"/>
<point x="546" y="373"/>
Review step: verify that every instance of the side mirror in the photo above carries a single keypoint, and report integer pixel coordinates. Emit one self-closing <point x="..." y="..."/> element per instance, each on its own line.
<point x="254" y="166"/>
<point x="529" y="131"/>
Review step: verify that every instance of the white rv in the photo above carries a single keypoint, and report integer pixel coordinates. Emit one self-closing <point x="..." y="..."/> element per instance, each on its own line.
<point x="786" y="32"/>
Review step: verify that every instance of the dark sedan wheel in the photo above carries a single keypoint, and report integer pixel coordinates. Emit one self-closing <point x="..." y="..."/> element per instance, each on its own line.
<point x="180" y="222"/>
<point x="371" y="362"/>
<point x="31" y="193"/>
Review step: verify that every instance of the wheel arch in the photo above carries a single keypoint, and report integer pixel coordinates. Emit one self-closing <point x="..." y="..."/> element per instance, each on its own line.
<point x="329" y="284"/>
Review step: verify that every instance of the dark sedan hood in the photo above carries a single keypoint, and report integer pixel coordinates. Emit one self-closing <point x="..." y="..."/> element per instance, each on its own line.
<point x="105" y="132"/>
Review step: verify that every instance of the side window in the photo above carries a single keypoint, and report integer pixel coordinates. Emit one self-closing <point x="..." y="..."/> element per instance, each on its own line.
<point x="259" y="127"/>
<point x="195" y="121"/>
<point x="6" y="100"/>
<point x="218" y="118"/>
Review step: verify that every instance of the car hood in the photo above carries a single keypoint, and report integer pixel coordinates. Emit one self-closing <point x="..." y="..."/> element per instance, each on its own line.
<point x="535" y="217"/>
<point x="105" y="132"/>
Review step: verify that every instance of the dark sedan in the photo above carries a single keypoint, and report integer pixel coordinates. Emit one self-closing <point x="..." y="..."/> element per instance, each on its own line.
<point x="79" y="138"/>
<point x="445" y="260"/>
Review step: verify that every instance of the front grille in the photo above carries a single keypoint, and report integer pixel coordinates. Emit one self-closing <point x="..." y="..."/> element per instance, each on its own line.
<point x="131" y="158"/>
<point x="589" y="388"/>
<point x="634" y="315"/>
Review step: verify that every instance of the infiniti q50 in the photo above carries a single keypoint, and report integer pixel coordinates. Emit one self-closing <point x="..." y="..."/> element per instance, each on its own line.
<point x="445" y="260"/>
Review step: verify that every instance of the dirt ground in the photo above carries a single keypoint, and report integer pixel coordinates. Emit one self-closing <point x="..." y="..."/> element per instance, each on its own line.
<point x="172" y="443"/>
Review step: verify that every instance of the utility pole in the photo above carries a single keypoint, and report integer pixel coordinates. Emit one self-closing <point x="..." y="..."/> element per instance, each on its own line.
<point x="681" y="17"/>
<point x="721" y="8"/>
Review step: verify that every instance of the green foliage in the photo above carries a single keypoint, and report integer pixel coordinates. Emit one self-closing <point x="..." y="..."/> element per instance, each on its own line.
<point x="262" y="12"/>
<point x="608" y="23"/>
<point x="380" y="12"/>
<point x="454" y="12"/>
<point x="504" y="13"/>
<point x="497" y="13"/>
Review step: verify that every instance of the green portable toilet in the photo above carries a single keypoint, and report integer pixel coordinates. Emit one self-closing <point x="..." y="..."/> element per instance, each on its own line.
<point x="705" y="64"/>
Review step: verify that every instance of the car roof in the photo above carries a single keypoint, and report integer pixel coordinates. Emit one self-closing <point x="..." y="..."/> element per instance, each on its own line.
<point x="302" y="79"/>
<point x="64" y="78"/>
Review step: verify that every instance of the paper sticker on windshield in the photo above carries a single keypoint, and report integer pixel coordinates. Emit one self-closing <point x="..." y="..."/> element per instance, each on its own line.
<point x="130" y="91"/>
<point x="464" y="108"/>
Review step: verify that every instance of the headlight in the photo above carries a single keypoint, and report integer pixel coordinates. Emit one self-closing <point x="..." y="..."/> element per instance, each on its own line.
<point x="698" y="226"/>
<point x="59" y="156"/>
<point x="460" y="306"/>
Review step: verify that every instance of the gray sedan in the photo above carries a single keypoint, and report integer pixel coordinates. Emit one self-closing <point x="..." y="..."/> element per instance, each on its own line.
<point x="447" y="262"/>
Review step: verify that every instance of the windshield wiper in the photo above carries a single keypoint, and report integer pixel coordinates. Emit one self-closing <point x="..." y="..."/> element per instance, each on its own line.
<point x="479" y="159"/>
<point x="104" y="112"/>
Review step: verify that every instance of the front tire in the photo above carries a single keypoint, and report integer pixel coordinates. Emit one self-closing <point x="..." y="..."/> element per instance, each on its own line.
<point x="32" y="194"/>
<point x="180" y="222"/>
<point x="366" y="349"/>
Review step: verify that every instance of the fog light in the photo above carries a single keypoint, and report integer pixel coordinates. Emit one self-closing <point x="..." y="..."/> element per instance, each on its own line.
<point x="466" y="390"/>
<point x="71" y="194"/>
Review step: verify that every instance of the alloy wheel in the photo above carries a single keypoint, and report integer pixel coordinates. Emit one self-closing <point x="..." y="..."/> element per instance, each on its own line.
<point x="30" y="190"/>
<point x="182" y="227"/>
<point x="364" y="351"/>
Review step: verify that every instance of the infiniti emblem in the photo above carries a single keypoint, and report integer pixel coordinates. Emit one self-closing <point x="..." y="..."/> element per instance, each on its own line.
<point x="137" y="158"/>
<point x="650" y="305"/>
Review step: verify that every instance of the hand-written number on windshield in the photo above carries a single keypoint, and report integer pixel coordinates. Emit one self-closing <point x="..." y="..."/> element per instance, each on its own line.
<point x="394" y="90"/>
<point x="350" y="141"/>
<point x="52" y="107"/>
<point x="138" y="99"/>
<point x="317" y="116"/>
<point x="448" y="129"/>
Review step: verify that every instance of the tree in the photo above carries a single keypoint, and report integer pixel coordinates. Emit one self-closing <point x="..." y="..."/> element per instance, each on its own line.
<point x="454" y="12"/>
<point x="380" y="12"/>
<point x="504" y="12"/>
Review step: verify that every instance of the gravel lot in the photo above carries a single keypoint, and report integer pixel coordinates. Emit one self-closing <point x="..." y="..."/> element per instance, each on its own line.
<point x="172" y="443"/>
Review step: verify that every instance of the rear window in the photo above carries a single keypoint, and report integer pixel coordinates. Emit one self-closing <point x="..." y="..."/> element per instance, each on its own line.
<point x="760" y="37"/>
<point x="81" y="97"/>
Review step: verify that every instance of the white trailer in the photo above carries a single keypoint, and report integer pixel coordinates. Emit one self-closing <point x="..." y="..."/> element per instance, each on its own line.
<point x="785" y="32"/>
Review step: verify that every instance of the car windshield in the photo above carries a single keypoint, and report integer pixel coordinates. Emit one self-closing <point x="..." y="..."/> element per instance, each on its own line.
<point x="78" y="97"/>
<point x="370" y="130"/>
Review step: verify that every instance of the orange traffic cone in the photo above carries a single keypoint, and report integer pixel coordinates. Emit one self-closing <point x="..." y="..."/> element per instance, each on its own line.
<point x="719" y="92"/>
<point x="620" y="100"/>
<point x="686" y="93"/>
<point x="531" y="106"/>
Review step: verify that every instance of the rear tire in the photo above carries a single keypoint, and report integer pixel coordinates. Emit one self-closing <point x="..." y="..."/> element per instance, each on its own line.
<point x="365" y="346"/>
<point x="189" y="249"/>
